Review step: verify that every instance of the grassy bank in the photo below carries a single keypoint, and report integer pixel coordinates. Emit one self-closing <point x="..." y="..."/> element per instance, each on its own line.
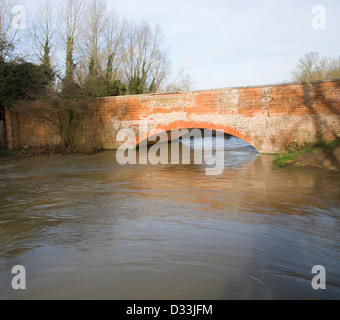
<point x="283" y="160"/>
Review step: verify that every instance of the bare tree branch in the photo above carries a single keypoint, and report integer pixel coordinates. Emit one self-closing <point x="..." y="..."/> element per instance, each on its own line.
<point x="313" y="68"/>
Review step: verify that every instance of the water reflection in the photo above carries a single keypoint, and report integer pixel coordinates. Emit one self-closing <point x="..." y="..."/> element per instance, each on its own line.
<point x="86" y="227"/>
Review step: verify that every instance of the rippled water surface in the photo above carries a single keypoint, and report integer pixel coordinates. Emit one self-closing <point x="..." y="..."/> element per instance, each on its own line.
<point x="85" y="227"/>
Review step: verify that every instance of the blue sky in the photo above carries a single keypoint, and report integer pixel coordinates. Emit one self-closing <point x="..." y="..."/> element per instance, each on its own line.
<point x="225" y="43"/>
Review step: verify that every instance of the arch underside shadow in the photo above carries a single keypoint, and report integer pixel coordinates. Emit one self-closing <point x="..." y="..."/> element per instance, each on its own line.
<point x="178" y="125"/>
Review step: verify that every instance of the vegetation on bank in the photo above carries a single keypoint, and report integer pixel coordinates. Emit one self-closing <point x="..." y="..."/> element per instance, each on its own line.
<point x="23" y="153"/>
<point x="286" y="159"/>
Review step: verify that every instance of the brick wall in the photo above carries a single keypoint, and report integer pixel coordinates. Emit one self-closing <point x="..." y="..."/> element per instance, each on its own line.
<point x="2" y="135"/>
<point x="271" y="118"/>
<point x="2" y="129"/>
<point x="24" y="128"/>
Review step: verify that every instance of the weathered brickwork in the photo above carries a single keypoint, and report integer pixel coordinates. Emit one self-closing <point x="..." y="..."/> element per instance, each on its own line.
<point x="2" y="135"/>
<point x="24" y="128"/>
<point x="270" y="118"/>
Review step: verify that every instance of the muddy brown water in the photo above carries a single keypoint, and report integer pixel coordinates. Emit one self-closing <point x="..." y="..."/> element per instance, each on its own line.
<point x="85" y="227"/>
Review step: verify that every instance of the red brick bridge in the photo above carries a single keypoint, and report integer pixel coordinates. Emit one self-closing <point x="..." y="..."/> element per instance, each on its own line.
<point x="271" y="118"/>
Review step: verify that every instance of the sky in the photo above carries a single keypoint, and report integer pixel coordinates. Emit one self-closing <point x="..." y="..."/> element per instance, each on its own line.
<point x="230" y="43"/>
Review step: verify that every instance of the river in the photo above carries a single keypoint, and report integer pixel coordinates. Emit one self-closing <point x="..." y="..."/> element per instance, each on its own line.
<point x="85" y="227"/>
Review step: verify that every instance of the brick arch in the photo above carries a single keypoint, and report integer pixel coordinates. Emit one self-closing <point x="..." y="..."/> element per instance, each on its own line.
<point x="178" y="125"/>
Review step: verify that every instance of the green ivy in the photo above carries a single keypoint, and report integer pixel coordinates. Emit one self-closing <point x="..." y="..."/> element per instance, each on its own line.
<point x="22" y="81"/>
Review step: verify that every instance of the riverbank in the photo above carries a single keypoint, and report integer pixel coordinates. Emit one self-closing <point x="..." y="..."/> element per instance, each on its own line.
<point x="323" y="155"/>
<point x="24" y="153"/>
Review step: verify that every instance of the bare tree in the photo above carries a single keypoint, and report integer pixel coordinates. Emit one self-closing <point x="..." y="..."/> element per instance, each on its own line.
<point x="97" y="22"/>
<point x="145" y="64"/>
<point x="159" y="73"/>
<point x="8" y="35"/>
<point x="44" y="32"/>
<point x="181" y="82"/>
<point x="72" y="17"/>
<point x="114" y="35"/>
<point x="312" y="67"/>
<point x="334" y="72"/>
